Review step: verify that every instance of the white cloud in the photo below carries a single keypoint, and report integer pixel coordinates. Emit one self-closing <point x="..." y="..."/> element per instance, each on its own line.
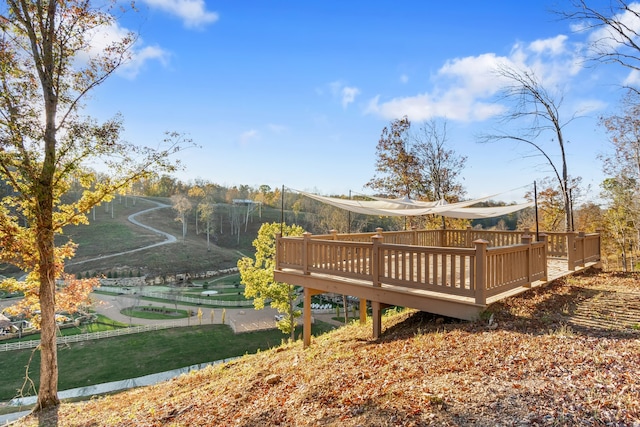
<point x="554" y="46"/>
<point x="248" y="136"/>
<point x="140" y="58"/>
<point x="632" y="79"/>
<point x="103" y="37"/>
<point x="346" y="94"/>
<point x="276" y="128"/>
<point x="587" y="106"/>
<point x="192" y="12"/>
<point x="464" y="89"/>
<point x="606" y="39"/>
<point x="349" y="95"/>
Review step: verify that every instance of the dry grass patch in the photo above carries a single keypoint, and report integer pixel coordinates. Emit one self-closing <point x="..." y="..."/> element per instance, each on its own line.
<point x="531" y="366"/>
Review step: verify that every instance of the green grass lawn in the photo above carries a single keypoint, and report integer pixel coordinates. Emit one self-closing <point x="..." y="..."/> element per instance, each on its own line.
<point x="112" y="359"/>
<point x="145" y="313"/>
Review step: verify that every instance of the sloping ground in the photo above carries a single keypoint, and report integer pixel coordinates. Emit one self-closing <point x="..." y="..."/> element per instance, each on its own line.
<point x="538" y="362"/>
<point x="107" y="236"/>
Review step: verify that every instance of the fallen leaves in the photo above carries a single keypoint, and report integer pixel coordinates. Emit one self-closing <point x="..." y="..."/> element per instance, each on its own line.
<point x="536" y="369"/>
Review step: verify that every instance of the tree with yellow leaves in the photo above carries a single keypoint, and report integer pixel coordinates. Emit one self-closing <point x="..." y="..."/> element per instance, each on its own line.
<point x="257" y="276"/>
<point x="48" y="65"/>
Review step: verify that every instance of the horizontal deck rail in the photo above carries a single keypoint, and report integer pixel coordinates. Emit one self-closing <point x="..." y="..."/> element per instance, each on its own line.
<point x="560" y="245"/>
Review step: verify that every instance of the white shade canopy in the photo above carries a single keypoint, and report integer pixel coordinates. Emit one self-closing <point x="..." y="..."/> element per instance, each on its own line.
<point x="408" y="207"/>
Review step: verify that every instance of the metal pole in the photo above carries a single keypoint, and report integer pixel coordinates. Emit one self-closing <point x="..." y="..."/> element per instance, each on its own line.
<point x="349" y="217"/>
<point x="535" y="198"/>
<point x="571" y="208"/>
<point x="282" y="212"/>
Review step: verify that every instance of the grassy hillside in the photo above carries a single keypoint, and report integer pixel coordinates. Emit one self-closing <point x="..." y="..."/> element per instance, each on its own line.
<point x="106" y="235"/>
<point x="119" y="358"/>
<point x="567" y="354"/>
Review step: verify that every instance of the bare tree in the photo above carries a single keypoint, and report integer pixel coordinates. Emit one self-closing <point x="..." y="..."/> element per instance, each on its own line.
<point x="182" y="205"/>
<point x="206" y="209"/>
<point x="540" y="109"/>
<point x="615" y="29"/>
<point x="624" y="134"/>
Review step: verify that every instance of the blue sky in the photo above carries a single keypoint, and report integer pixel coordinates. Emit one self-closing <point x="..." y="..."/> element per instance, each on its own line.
<point x="296" y="93"/>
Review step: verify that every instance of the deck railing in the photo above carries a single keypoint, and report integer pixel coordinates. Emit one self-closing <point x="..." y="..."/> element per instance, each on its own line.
<point x="479" y="272"/>
<point x="576" y="248"/>
<point x="440" y="238"/>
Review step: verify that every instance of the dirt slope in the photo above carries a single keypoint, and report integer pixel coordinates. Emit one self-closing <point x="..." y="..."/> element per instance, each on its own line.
<point x="553" y="356"/>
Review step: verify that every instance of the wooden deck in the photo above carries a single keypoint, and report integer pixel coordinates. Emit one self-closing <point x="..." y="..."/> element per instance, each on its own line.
<point x="454" y="280"/>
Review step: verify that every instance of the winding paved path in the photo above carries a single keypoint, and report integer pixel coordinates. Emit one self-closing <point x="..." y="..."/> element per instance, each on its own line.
<point x="170" y="238"/>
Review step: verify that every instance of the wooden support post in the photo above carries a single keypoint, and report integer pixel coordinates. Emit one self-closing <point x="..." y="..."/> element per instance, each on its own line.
<point x="363" y="311"/>
<point x="376" y="316"/>
<point x="481" y="271"/>
<point x="306" y="315"/>
<point x="376" y="266"/>
<point x="334" y="234"/>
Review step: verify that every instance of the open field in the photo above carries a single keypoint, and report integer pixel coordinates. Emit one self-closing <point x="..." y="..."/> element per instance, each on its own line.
<point x="111" y="359"/>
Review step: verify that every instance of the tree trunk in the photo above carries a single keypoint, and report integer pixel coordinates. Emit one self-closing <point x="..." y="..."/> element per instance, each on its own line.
<point x="43" y="189"/>
<point x="208" y="244"/>
<point x="291" y="317"/>
<point x="346" y="312"/>
<point x="48" y="389"/>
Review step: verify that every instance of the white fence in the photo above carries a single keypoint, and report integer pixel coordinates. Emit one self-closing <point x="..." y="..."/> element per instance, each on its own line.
<point x="110" y="387"/>
<point x="173" y="297"/>
<point x="88" y="336"/>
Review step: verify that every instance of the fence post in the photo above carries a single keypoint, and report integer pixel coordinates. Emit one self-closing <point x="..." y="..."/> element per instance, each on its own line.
<point x="571" y="251"/>
<point x="544" y="238"/>
<point x="582" y="239"/>
<point x="467" y="237"/>
<point x="481" y="271"/>
<point x="306" y="238"/>
<point x="334" y="234"/>
<point x="526" y="240"/>
<point x="376" y="307"/>
<point x="375" y="259"/>
<point x="599" y="232"/>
